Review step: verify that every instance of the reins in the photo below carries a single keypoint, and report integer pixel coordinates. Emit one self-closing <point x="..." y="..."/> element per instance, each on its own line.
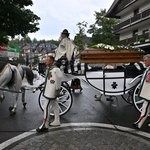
<point x="10" y="90"/>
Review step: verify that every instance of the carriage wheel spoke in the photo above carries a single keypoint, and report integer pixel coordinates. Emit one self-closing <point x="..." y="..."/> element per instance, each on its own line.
<point x="140" y="101"/>
<point x="64" y="100"/>
<point x="63" y="105"/>
<point x="63" y="96"/>
<point x="60" y="109"/>
<point x="136" y="95"/>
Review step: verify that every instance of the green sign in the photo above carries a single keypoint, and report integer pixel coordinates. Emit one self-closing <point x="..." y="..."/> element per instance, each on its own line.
<point x="11" y="48"/>
<point x="9" y="51"/>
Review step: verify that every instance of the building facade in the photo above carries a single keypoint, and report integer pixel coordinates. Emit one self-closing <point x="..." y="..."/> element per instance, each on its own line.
<point x="133" y="25"/>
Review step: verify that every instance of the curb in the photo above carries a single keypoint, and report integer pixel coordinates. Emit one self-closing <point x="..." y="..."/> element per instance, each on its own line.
<point x="75" y="126"/>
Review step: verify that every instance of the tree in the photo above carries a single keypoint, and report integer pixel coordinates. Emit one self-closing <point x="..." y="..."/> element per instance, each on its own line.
<point x="55" y="42"/>
<point x="27" y="39"/>
<point x="102" y="29"/>
<point x="80" y="36"/>
<point x="35" y="40"/>
<point x="16" y="19"/>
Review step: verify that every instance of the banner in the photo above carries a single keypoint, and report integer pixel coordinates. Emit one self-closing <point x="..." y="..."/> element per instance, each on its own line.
<point x="9" y="51"/>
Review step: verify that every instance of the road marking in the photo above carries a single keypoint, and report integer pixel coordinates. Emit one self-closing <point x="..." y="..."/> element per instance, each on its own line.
<point x="76" y="125"/>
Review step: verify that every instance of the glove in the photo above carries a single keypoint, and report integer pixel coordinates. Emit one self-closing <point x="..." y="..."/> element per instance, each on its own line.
<point x="57" y="92"/>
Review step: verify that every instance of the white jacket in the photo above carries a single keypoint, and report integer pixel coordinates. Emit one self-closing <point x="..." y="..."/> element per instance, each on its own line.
<point x="52" y="82"/>
<point x="67" y="47"/>
<point x="145" y="73"/>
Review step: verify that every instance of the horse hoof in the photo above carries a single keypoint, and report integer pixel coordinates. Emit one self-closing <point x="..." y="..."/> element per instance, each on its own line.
<point x="10" y="108"/>
<point x="12" y="113"/>
<point x="24" y="105"/>
<point x="2" y="98"/>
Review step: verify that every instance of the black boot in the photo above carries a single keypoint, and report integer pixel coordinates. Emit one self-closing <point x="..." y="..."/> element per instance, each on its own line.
<point x="135" y="125"/>
<point x="42" y="129"/>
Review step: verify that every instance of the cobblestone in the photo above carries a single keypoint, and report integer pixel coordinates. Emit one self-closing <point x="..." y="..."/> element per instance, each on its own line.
<point x="83" y="138"/>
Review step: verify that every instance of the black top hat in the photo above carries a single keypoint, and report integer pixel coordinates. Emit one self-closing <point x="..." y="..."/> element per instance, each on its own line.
<point x="65" y="31"/>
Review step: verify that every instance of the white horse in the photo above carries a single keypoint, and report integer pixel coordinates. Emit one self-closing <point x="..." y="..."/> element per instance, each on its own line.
<point x="11" y="77"/>
<point x="26" y="73"/>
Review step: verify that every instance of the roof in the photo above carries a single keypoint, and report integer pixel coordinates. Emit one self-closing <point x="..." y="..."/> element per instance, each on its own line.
<point x="112" y="10"/>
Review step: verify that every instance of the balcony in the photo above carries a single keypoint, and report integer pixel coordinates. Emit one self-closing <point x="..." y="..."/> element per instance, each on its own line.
<point x="124" y="4"/>
<point x="139" y="39"/>
<point x="131" y="21"/>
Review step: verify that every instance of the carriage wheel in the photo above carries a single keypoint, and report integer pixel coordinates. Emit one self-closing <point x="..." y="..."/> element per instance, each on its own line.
<point x="66" y="85"/>
<point x="137" y="101"/>
<point x="65" y="101"/>
<point x="128" y="97"/>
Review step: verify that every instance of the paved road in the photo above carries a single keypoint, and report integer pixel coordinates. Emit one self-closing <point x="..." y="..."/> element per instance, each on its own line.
<point x="84" y="110"/>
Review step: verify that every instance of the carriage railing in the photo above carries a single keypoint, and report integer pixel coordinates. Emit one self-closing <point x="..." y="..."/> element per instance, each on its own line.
<point x="111" y="81"/>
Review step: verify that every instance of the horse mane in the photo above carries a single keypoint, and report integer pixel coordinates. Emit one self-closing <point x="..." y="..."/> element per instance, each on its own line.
<point x="29" y="74"/>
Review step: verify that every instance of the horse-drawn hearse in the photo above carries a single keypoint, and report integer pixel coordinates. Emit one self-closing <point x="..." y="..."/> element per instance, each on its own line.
<point x="122" y="80"/>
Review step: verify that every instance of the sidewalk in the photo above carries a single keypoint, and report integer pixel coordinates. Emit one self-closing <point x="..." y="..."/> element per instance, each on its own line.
<point x="81" y="136"/>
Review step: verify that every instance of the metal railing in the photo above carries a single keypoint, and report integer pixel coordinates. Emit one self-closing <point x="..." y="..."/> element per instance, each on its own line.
<point x="137" y="18"/>
<point x="138" y="39"/>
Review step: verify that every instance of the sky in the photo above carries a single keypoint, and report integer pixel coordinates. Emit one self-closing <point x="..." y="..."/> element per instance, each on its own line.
<point x="57" y="15"/>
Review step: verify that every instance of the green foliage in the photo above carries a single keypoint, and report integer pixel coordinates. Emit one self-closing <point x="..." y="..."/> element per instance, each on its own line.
<point x="15" y="19"/>
<point x="102" y="29"/>
<point x="78" y="40"/>
<point x="54" y="42"/>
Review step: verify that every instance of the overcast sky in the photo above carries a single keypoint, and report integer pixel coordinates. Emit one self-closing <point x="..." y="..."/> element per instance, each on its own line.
<point x="57" y="15"/>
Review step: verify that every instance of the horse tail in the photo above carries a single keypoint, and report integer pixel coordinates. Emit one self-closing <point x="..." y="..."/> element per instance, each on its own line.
<point x="29" y="75"/>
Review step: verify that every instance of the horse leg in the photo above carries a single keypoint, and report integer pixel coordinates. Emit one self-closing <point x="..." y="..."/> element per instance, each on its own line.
<point x="13" y="108"/>
<point x="23" y="97"/>
<point x="2" y="96"/>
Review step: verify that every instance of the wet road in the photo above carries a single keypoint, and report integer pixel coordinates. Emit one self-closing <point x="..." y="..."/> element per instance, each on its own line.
<point x="84" y="109"/>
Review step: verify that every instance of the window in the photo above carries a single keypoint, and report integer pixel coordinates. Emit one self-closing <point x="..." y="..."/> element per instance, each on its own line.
<point x="145" y="31"/>
<point x="136" y="11"/>
<point x="135" y="32"/>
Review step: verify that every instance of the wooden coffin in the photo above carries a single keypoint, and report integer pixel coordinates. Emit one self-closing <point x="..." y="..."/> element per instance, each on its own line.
<point x="110" y="56"/>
